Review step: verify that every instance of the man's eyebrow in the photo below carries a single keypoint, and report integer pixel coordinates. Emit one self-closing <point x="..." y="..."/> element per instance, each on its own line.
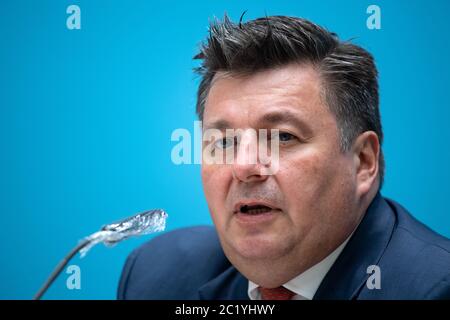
<point x="266" y="120"/>
<point x="278" y="117"/>
<point x="284" y="117"/>
<point x="218" y="124"/>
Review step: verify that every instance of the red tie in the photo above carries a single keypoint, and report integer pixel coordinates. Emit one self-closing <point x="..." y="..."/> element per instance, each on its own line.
<point x="280" y="293"/>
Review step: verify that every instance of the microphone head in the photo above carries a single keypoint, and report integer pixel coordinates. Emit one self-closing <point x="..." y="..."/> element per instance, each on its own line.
<point x="139" y="224"/>
<point x="142" y="223"/>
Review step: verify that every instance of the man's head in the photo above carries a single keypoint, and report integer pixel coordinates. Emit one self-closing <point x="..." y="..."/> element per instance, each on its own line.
<point x="322" y="95"/>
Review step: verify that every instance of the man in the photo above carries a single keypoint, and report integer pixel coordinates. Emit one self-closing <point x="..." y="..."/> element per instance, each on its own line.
<point x="317" y="227"/>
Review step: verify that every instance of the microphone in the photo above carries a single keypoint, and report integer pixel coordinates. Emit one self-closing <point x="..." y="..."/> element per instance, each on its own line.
<point x="142" y="223"/>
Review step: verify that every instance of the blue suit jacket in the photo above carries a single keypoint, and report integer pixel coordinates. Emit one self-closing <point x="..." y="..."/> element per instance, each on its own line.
<point x="189" y="263"/>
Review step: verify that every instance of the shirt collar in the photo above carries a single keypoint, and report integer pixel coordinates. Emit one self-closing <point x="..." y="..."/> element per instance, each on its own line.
<point x="306" y="284"/>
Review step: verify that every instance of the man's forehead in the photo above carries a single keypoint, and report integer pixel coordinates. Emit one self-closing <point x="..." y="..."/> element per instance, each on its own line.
<point x="270" y="96"/>
<point x="292" y="77"/>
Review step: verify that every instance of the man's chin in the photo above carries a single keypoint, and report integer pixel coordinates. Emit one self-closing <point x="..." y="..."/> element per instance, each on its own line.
<point x="257" y="248"/>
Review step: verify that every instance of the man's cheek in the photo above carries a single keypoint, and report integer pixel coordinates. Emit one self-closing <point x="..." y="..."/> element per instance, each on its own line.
<point x="207" y="173"/>
<point x="307" y="168"/>
<point x="214" y="186"/>
<point x="306" y="183"/>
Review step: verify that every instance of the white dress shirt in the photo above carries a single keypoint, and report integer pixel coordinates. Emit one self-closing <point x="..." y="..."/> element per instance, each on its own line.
<point x="305" y="284"/>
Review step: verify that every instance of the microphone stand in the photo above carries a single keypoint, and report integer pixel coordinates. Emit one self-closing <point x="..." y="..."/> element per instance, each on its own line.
<point x="59" y="268"/>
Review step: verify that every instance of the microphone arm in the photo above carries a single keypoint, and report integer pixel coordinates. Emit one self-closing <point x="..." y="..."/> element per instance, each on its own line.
<point x="59" y="268"/>
<point x="142" y="223"/>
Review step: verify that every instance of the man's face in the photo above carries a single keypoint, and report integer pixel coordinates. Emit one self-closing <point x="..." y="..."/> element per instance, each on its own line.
<point x="304" y="210"/>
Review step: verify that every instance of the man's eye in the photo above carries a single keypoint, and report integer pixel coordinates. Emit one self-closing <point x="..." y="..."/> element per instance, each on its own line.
<point x="284" y="136"/>
<point x="224" y="143"/>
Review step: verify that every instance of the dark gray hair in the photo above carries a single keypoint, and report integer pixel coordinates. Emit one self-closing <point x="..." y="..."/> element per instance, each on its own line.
<point x="348" y="72"/>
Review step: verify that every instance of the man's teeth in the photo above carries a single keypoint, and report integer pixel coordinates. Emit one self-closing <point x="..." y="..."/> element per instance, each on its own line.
<point x="258" y="209"/>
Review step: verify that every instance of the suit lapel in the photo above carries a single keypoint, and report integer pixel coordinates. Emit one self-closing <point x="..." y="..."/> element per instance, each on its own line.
<point x="349" y="273"/>
<point x="229" y="285"/>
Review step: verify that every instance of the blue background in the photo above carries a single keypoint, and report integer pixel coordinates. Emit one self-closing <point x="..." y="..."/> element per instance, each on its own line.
<point x="86" y="118"/>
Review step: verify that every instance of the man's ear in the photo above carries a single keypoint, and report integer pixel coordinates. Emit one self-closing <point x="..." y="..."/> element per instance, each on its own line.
<point x="366" y="152"/>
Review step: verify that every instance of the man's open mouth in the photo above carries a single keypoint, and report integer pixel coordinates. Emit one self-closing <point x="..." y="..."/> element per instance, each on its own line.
<point x="254" y="209"/>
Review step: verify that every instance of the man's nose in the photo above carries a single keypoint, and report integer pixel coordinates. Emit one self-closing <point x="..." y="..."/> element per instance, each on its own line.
<point x="247" y="166"/>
